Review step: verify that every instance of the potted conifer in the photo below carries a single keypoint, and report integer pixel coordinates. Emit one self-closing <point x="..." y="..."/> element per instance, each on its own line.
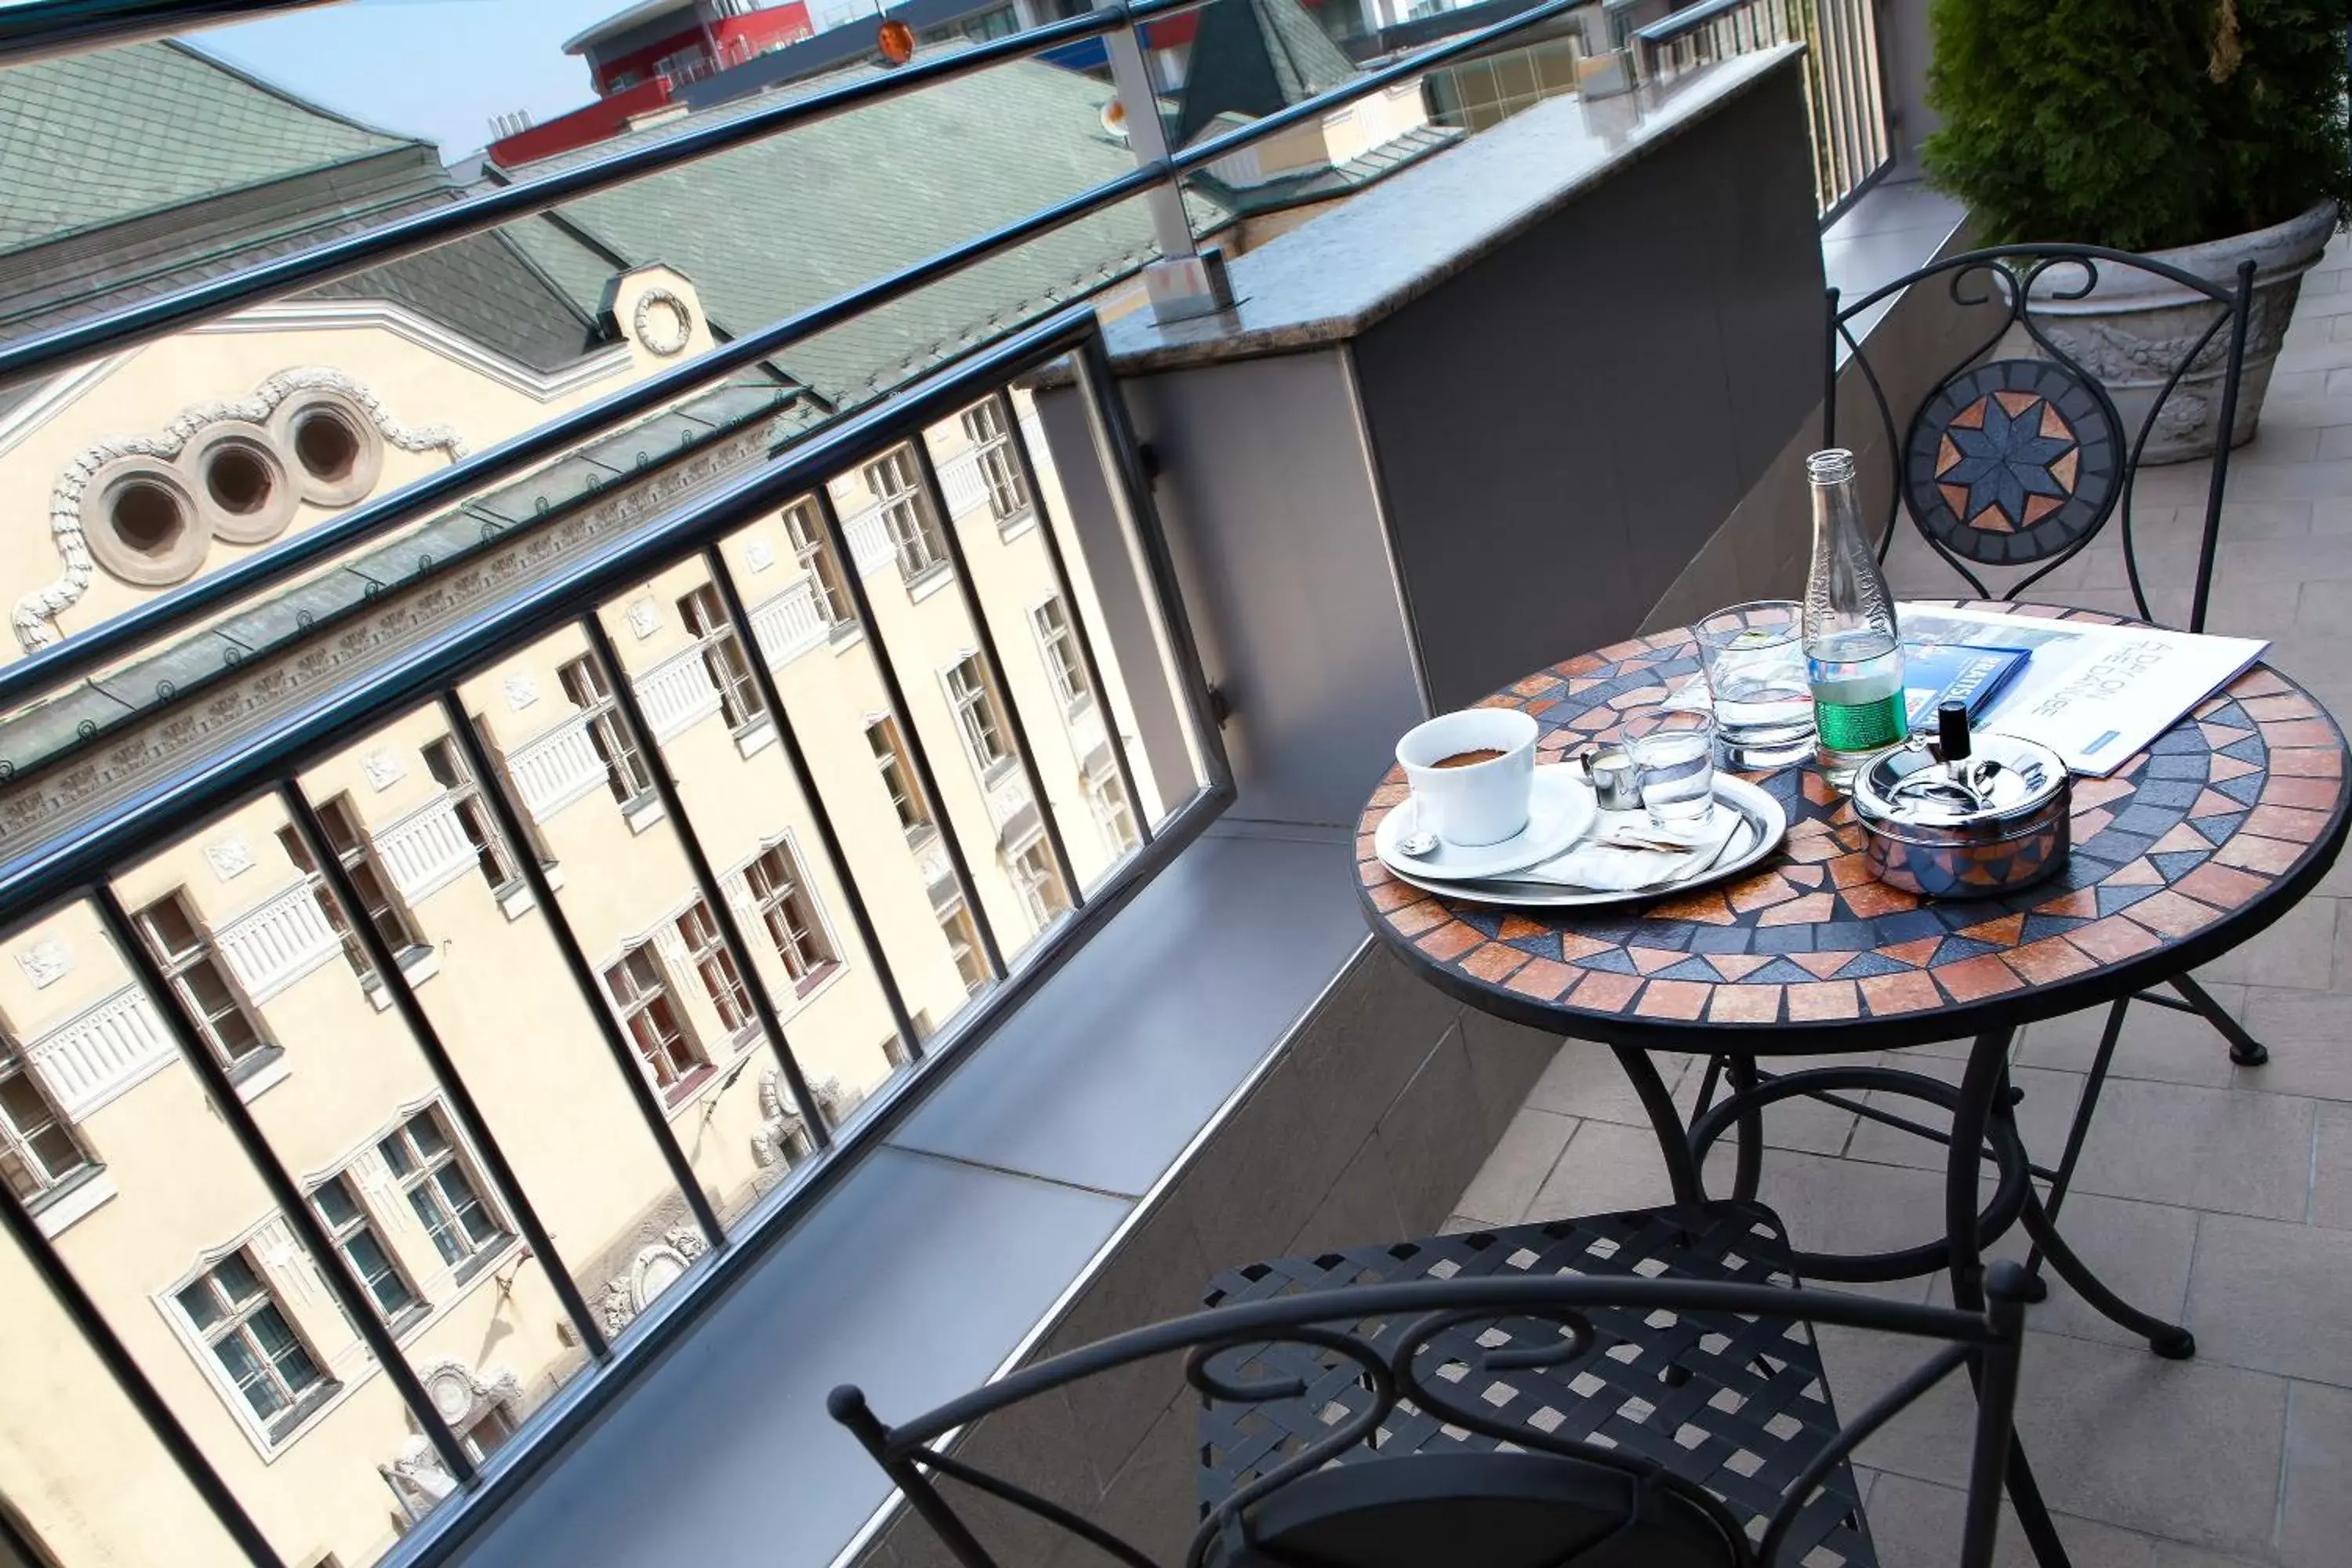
<point x="2206" y="133"/>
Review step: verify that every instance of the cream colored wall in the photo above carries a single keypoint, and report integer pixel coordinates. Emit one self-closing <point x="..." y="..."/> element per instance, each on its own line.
<point x="498" y="995"/>
<point x="149" y="387"/>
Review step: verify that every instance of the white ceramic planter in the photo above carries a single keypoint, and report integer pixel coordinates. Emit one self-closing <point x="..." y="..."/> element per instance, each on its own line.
<point x="2134" y="328"/>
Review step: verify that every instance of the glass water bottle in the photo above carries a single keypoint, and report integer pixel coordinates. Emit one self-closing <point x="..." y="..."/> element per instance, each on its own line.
<point x="1853" y="654"/>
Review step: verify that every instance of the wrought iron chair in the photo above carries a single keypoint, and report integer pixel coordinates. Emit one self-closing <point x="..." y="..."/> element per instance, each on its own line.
<point x="2020" y="463"/>
<point x="2015" y="466"/>
<point x="1637" y="1388"/>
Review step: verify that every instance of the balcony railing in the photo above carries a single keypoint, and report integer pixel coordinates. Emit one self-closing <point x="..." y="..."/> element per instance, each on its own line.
<point x="1844" y="86"/>
<point x="722" y="977"/>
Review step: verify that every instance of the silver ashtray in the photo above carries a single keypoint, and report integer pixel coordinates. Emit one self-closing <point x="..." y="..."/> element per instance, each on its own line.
<point x="1988" y="820"/>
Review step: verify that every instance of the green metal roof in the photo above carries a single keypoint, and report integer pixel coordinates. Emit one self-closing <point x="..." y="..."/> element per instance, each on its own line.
<point x="95" y="139"/>
<point x="774" y="227"/>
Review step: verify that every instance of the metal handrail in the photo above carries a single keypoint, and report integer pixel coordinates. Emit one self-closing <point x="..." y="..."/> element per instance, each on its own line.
<point x="148" y="320"/>
<point x="87" y="652"/>
<point x="1689" y="19"/>
<point x="34" y="882"/>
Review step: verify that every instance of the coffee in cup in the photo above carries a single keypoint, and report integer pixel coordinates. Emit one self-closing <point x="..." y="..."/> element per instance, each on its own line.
<point x="1473" y="773"/>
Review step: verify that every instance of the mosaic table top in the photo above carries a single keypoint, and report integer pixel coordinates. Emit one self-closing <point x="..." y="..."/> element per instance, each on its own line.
<point x="2197" y="844"/>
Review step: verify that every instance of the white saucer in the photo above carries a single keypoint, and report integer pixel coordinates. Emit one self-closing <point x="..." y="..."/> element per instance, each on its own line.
<point x="1562" y="809"/>
<point x="1766" y="824"/>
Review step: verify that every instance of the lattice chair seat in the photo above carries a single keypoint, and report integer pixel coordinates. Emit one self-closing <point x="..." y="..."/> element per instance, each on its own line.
<point x="1636" y="1390"/>
<point x="1737" y="1405"/>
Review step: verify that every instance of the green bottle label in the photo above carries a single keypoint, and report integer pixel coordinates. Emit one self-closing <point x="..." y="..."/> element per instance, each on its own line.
<point x="1860" y="726"/>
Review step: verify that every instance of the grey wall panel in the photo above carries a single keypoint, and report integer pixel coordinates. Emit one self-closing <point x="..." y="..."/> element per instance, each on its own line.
<point x="1551" y="456"/>
<point x="1267" y="496"/>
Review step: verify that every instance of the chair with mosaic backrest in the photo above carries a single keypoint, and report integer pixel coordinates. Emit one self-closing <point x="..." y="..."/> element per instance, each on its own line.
<point x="2012" y="464"/>
<point x="1633" y="1390"/>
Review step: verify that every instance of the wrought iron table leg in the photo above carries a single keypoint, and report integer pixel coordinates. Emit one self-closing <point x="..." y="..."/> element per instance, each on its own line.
<point x="1666" y="1122"/>
<point x="2245" y="1049"/>
<point x="1980" y="1088"/>
<point x="1749" y="1174"/>
<point x="2168" y="1339"/>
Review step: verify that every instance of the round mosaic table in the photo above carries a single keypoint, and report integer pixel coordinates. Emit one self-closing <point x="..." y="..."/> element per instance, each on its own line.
<point x="2195" y="845"/>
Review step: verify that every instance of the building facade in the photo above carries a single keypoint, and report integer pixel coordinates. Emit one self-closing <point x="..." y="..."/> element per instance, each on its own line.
<point x="175" y="460"/>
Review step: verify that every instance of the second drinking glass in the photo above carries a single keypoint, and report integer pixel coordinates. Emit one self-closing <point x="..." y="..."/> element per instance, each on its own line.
<point x="1754" y="656"/>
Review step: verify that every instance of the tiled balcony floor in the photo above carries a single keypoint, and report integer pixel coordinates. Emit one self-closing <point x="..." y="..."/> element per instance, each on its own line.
<point x="2219" y="1193"/>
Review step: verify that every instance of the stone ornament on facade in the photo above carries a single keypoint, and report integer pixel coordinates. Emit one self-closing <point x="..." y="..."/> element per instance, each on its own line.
<point x="780" y="1124"/>
<point x="463" y="1398"/>
<point x="56" y="800"/>
<point x="229" y="856"/>
<point x="417" y="1478"/>
<point x="655" y="1270"/>
<point x="146" y="508"/>
<point x="521" y="692"/>
<point x="644" y="616"/>
<point x="382" y="768"/>
<point x="45" y="963"/>
<point x="758" y="556"/>
<point x="663" y="323"/>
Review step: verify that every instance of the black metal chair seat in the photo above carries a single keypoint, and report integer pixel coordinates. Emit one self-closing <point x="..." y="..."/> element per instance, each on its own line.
<point x="1632" y="1390"/>
<point x="1735" y="1405"/>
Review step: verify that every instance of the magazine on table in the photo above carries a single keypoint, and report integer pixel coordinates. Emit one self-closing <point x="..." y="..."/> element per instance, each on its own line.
<point x="2094" y="694"/>
<point x="1971" y="673"/>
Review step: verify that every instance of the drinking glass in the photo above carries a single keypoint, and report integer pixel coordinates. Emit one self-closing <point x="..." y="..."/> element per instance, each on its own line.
<point x="1674" y="760"/>
<point x="1754" y="656"/>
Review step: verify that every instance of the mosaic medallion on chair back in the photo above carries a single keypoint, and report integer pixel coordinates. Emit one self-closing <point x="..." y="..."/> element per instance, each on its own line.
<point x="2014" y="461"/>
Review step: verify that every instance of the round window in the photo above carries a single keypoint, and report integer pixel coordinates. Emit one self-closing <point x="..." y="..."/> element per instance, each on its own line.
<point x="332" y="451"/>
<point x="239" y="480"/>
<point x="244" y="492"/>
<point x="326" y="444"/>
<point x="148" y="518"/>
<point x="143" y="523"/>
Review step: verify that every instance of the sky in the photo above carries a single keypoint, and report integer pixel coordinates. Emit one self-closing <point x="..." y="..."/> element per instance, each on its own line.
<point x="435" y="68"/>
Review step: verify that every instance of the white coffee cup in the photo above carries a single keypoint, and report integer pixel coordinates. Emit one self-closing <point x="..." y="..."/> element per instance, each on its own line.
<point x="1472" y="803"/>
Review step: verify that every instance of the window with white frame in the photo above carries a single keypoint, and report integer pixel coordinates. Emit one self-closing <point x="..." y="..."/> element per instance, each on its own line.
<point x="39" y="1150"/>
<point x="976" y="716"/>
<point x="1039" y="883"/>
<point x="1113" y="814"/>
<point x="722" y="656"/>
<point x="1000" y="469"/>
<point x="898" y="776"/>
<point x="446" y="763"/>
<point x="814" y="550"/>
<point x="357" y="855"/>
<point x="907" y="516"/>
<point x="963" y="947"/>
<point x="716" y="966"/>
<point x="441" y="1187"/>
<point x="624" y="770"/>
<point x="193" y="965"/>
<point x="780" y="893"/>
<point x="252" y="1343"/>
<point x="1063" y="661"/>
<point x="353" y="1229"/>
<point x="640" y="993"/>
